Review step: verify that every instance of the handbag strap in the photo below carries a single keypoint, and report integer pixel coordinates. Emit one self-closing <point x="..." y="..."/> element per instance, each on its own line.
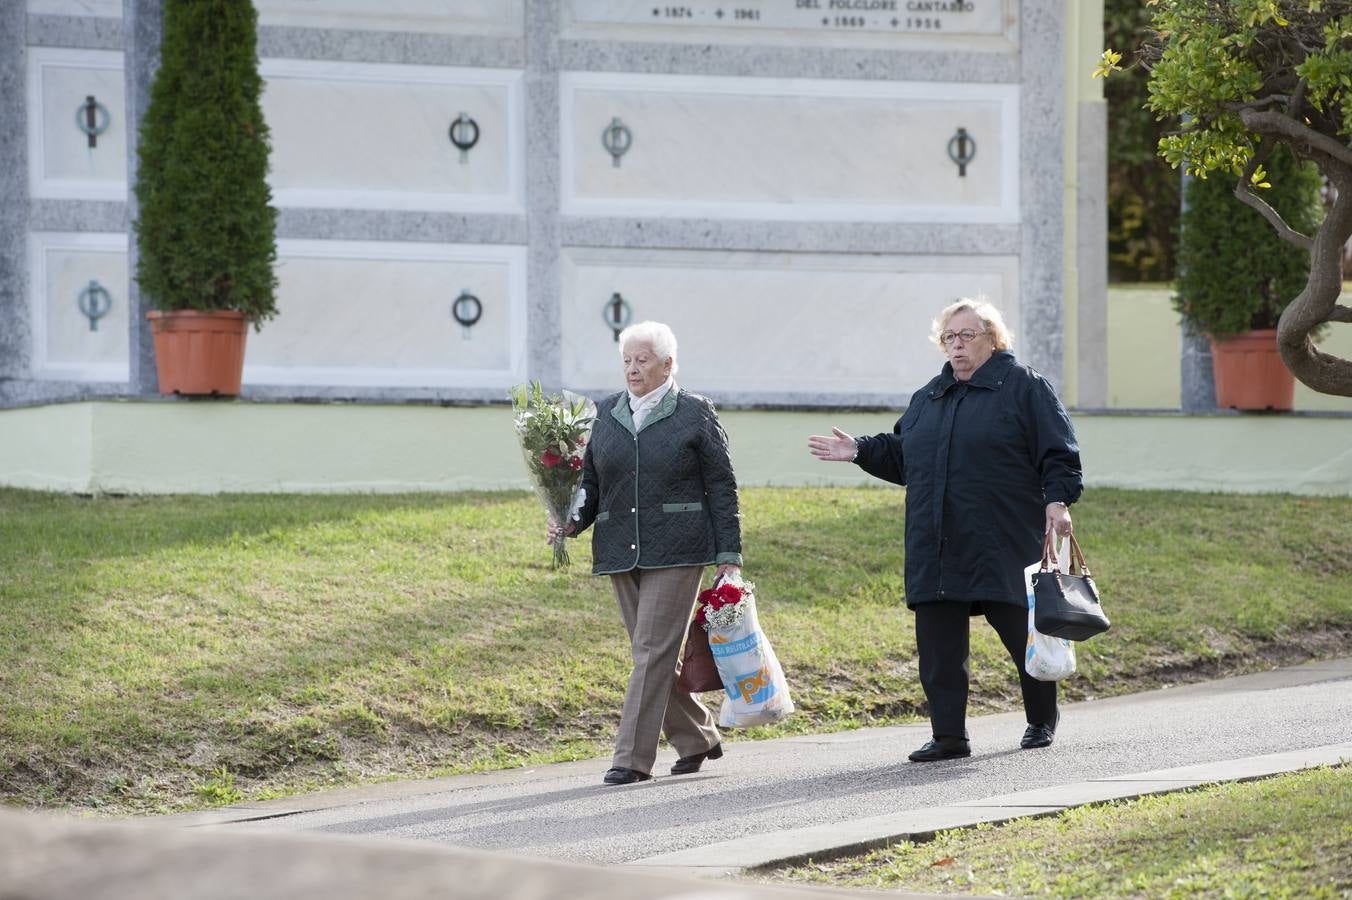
<point x="1048" y="550"/>
<point x="1077" y="557"/>
<point x="1075" y="565"/>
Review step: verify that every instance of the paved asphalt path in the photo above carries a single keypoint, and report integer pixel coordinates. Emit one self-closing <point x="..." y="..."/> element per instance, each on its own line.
<point x="564" y="812"/>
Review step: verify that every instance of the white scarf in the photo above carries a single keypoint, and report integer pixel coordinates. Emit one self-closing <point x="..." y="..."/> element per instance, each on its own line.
<point x="642" y="406"/>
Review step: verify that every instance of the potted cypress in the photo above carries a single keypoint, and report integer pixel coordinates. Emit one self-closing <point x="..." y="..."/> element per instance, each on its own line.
<point x="1236" y="275"/>
<point x="206" y="234"/>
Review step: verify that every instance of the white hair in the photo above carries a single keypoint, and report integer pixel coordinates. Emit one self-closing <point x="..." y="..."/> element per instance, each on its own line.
<point x="656" y="335"/>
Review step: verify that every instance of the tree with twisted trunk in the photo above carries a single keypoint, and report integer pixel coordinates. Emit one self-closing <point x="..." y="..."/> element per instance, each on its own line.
<point x="1245" y="76"/>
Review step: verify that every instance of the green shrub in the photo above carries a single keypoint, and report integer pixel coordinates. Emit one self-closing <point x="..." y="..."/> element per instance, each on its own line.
<point x="1235" y="273"/>
<point x="206" y="232"/>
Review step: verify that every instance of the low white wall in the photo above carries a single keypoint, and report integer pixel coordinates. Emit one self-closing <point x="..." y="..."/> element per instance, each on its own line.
<point x="212" y="447"/>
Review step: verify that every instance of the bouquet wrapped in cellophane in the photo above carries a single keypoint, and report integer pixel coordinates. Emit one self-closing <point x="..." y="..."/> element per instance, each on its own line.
<point x="553" y="430"/>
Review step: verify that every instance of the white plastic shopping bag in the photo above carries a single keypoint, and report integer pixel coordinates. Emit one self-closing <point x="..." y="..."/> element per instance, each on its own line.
<point x="1047" y="658"/>
<point x="757" y="691"/>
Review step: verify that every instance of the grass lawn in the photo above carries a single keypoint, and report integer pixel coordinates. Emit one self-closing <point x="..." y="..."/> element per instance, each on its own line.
<point x="160" y="653"/>
<point x="1289" y="836"/>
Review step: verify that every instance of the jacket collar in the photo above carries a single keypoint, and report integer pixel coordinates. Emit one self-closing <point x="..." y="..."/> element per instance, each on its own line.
<point x="990" y="376"/>
<point x="625" y="416"/>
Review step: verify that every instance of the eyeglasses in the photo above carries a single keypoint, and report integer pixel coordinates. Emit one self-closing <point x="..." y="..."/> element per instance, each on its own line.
<point x="967" y="336"/>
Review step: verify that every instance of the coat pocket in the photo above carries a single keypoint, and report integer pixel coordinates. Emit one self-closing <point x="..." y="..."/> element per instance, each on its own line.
<point x="602" y="517"/>
<point x="682" y="507"/>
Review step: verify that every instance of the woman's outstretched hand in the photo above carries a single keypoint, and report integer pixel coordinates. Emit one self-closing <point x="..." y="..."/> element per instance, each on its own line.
<point x="839" y="447"/>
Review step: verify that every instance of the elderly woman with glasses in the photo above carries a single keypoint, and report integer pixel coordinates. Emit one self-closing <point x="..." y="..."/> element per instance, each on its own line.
<point x="991" y="464"/>
<point x="659" y="493"/>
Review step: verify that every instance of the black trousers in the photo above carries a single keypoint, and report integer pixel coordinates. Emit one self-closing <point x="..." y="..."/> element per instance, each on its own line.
<point x="942" y="636"/>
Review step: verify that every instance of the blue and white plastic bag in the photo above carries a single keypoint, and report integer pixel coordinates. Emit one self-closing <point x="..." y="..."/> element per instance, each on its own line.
<point x="1047" y="658"/>
<point x="757" y="691"/>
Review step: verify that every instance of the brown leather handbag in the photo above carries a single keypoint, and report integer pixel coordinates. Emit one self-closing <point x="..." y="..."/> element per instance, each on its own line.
<point x="698" y="673"/>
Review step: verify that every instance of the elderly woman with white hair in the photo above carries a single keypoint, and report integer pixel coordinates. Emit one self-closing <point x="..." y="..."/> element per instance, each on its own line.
<point x="658" y="488"/>
<point x="991" y="464"/>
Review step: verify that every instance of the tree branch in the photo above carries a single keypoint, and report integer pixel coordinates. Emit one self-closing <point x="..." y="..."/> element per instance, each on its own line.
<point x="1236" y="106"/>
<point x="1284" y="231"/>
<point x="1340" y="313"/>
<point x="1284" y="127"/>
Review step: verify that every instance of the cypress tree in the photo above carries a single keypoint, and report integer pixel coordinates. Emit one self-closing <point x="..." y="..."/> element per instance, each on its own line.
<point x="206" y="232"/>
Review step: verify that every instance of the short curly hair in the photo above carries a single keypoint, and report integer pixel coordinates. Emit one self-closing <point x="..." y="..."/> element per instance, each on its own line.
<point x="990" y="317"/>
<point x="657" y="335"/>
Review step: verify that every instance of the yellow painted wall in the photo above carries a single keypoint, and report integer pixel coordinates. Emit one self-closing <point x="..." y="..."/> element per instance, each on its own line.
<point x="1084" y="40"/>
<point x="1144" y="341"/>
<point x="1143" y="353"/>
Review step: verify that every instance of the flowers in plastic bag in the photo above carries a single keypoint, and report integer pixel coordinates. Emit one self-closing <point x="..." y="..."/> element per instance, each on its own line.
<point x="721" y="608"/>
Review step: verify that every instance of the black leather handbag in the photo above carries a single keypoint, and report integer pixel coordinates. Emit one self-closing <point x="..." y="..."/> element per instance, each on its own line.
<point x="1067" y="605"/>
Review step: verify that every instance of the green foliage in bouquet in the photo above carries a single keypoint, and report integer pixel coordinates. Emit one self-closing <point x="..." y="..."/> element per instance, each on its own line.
<point x="1235" y="273"/>
<point x="206" y="232"/>
<point x="553" y="430"/>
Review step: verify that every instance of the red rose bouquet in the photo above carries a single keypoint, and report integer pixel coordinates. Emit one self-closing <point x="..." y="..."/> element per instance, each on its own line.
<point x="721" y="607"/>
<point x="553" y="430"/>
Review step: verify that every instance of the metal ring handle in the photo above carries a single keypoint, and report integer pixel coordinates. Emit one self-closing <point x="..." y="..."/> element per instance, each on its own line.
<point x="617" y="139"/>
<point x="87" y="119"/>
<point x="95" y="302"/>
<point x="962" y="149"/>
<point x="457" y="132"/>
<point x="460" y="309"/>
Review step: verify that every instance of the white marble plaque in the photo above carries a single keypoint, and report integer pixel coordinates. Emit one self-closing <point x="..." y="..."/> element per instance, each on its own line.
<point x="66" y="345"/>
<point x="814" y="327"/>
<point x="61" y="162"/>
<point x="378" y="314"/>
<point x="476" y="17"/>
<point x="367" y="136"/>
<point x="975" y="24"/>
<point x="790" y="149"/>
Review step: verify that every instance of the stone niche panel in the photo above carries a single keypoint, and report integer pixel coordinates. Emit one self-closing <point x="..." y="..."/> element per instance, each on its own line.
<point x="499" y="18"/>
<point x="790" y="149"/>
<point x="67" y="345"/>
<point x="374" y="136"/>
<point x="375" y="314"/>
<point x="819" y="327"/>
<point x="62" y="164"/>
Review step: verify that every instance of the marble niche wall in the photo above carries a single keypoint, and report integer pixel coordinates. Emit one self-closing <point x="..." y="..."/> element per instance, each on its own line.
<point x="797" y="186"/>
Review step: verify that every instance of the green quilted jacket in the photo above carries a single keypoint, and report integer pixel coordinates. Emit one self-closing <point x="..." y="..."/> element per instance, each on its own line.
<point x="664" y="495"/>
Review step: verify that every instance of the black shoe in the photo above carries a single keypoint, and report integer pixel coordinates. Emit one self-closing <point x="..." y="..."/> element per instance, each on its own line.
<point x="687" y="764"/>
<point x="1038" y="736"/>
<point x="942" y="748"/>
<point x="621" y="775"/>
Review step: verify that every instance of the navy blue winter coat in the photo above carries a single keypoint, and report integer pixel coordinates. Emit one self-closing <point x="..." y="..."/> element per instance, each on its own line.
<point x="980" y="460"/>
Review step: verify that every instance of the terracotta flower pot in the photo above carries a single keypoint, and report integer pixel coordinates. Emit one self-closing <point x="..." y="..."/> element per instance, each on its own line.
<point x="199" y="352"/>
<point x="1250" y="373"/>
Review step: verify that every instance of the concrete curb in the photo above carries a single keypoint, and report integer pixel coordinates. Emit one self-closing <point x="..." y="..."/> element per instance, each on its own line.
<point x="765" y="851"/>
